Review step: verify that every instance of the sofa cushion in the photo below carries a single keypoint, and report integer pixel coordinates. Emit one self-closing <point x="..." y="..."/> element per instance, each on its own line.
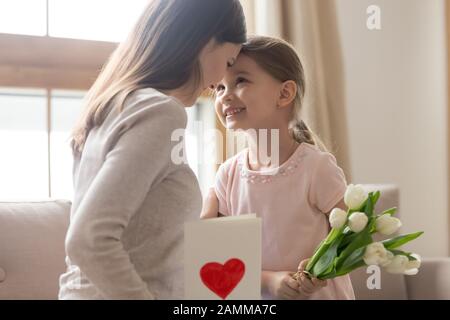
<point x="432" y="281"/>
<point x="32" y="253"/>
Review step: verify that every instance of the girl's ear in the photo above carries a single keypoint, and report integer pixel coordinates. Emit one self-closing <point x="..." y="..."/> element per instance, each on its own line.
<point x="288" y="91"/>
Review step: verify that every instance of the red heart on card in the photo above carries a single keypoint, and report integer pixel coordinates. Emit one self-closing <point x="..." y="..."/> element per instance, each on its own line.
<point x="222" y="278"/>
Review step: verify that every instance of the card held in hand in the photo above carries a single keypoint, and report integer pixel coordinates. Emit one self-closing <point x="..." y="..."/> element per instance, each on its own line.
<point x="222" y="258"/>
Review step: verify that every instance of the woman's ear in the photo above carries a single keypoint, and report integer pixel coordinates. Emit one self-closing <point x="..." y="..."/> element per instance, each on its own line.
<point x="288" y="91"/>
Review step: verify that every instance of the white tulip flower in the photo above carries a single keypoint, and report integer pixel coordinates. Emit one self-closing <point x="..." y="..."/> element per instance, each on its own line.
<point x="387" y="225"/>
<point x="398" y="265"/>
<point x="337" y="218"/>
<point x="411" y="272"/>
<point x="354" y="197"/>
<point x="412" y="267"/>
<point x="376" y="254"/>
<point x="357" y="221"/>
<point x="414" y="264"/>
<point x="387" y="259"/>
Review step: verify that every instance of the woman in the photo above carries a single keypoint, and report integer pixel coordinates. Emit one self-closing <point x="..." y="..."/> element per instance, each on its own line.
<point x="125" y="239"/>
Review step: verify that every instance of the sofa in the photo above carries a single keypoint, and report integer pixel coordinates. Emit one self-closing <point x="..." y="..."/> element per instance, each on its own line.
<point x="32" y="255"/>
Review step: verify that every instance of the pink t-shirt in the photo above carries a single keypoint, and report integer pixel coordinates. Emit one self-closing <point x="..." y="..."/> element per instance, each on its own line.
<point x="292" y="201"/>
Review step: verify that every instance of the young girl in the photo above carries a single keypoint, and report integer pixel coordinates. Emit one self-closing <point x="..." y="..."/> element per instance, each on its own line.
<point x="264" y="90"/>
<point x="125" y="239"/>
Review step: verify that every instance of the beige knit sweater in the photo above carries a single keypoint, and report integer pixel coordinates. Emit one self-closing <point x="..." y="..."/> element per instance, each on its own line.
<point x="125" y="239"/>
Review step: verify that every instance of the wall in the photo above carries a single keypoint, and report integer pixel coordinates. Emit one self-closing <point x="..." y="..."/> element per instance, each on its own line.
<point x="397" y="108"/>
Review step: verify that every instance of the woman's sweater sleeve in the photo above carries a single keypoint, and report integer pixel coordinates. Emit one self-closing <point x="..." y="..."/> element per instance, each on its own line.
<point x="139" y="156"/>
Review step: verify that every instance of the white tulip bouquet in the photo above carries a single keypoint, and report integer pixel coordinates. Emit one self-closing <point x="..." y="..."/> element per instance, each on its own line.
<point x="349" y="245"/>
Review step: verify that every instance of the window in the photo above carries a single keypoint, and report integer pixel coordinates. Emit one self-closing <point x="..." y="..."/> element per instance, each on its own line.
<point x="66" y="107"/>
<point x="23" y="17"/>
<point x="104" y="20"/>
<point x="35" y="124"/>
<point x="36" y="159"/>
<point x="23" y="142"/>
<point x="101" y="20"/>
<point x="201" y="142"/>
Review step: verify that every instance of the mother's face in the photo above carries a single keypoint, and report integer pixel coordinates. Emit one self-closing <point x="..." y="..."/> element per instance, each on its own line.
<point x="214" y="60"/>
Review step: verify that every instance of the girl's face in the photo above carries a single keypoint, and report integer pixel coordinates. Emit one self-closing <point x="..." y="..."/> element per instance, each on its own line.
<point x="214" y="60"/>
<point x="247" y="97"/>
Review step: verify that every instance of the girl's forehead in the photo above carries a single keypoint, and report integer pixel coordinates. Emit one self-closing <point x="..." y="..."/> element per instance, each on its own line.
<point x="243" y="64"/>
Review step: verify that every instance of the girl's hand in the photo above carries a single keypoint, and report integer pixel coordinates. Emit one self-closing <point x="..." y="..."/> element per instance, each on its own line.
<point x="281" y="285"/>
<point x="307" y="286"/>
<point x="210" y="205"/>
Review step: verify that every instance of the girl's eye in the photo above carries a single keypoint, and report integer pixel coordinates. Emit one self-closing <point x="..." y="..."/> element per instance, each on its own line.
<point x="240" y="80"/>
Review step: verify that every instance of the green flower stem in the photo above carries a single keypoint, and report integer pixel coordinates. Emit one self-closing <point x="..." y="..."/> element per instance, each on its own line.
<point x="332" y="235"/>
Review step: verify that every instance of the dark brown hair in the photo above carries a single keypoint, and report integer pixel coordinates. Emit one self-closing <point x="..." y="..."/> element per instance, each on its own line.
<point x="160" y="52"/>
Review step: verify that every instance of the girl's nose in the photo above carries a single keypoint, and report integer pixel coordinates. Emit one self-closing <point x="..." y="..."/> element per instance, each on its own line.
<point x="227" y="95"/>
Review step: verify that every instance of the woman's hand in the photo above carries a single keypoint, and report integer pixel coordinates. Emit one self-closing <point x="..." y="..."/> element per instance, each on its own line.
<point x="210" y="205"/>
<point x="307" y="286"/>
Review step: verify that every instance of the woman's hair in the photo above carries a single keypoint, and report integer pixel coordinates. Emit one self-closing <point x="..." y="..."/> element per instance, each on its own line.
<point x="279" y="59"/>
<point x="160" y="52"/>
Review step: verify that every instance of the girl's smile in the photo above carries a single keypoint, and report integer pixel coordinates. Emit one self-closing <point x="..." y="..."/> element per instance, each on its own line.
<point x="232" y="111"/>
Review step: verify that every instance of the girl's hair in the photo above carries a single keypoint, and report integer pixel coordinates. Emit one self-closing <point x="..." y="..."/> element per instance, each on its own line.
<point x="279" y="59"/>
<point x="160" y="52"/>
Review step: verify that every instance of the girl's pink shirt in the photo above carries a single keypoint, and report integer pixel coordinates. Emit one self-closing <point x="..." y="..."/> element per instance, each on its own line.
<point x="292" y="201"/>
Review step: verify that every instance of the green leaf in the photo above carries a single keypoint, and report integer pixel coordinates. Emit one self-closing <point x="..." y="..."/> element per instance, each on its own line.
<point x="329" y="275"/>
<point x="375" y="197"/>
<point x="410" y="257"/>
<point x="356" y="265"/>
<point x="369" y="206"/>
<point x="397" y="252"/>
<point x="331" y="269"/>
<point x="403" y="253"/>
<point x="322" y="248"/>
<point x="362" y="239"/>
<point x="349" y="237"/>
<point x="400" y="240"/>
<point x="326" y="261"/>
<point x="354" y="258"/>
<point x="390" y="211"/>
